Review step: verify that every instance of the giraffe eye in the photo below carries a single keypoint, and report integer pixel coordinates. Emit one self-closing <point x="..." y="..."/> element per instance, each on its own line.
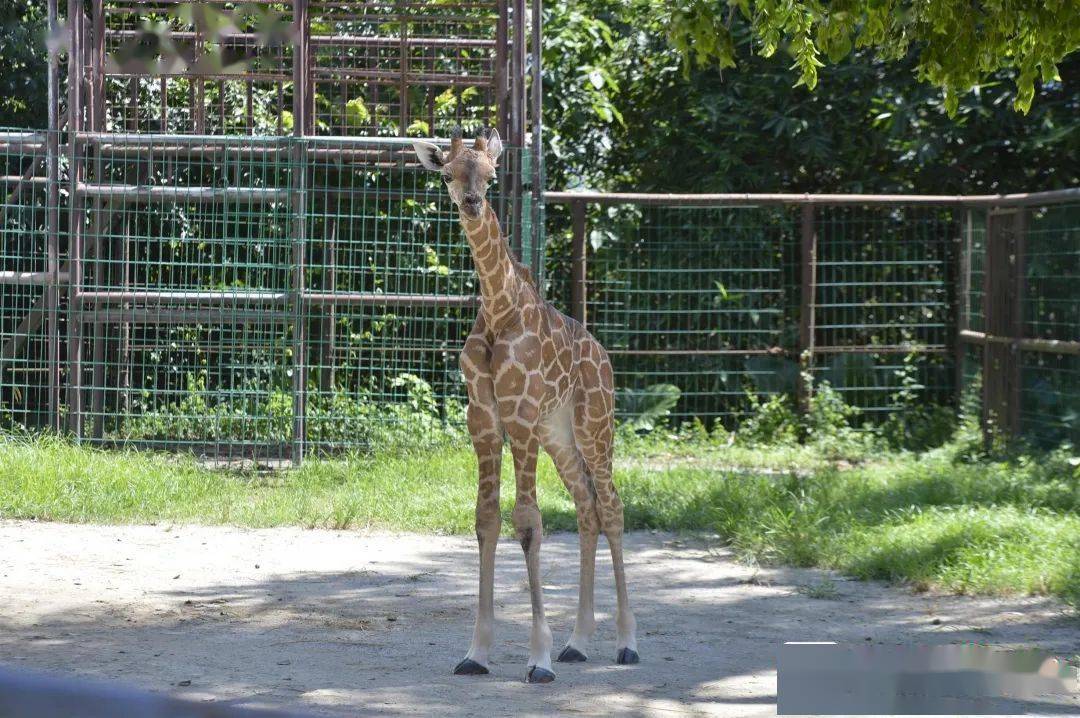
<point x="447" y="177"/>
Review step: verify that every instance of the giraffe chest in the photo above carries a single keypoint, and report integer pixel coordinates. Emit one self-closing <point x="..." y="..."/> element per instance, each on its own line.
<point x="533" y="371"/>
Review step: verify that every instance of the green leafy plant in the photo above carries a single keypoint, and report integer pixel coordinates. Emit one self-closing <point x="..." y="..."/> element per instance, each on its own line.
<point x="643" y="410"/>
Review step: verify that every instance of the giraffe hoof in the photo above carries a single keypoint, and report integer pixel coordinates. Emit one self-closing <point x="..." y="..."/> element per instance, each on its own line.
<point x="572" y="655"/>
<point x="469" y="667"/>
<point x="539" y="675"/>
<point x="626" y="656"/>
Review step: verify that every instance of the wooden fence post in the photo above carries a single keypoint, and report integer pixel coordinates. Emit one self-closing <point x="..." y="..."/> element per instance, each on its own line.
<point x="808" y="283"/>
<point x="578" y="262"/>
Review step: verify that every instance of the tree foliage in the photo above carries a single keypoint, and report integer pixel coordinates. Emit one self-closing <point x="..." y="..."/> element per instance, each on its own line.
<point x="956" y="44"/>
<point x="22" y="63"/>
<point x="623" y="111"/>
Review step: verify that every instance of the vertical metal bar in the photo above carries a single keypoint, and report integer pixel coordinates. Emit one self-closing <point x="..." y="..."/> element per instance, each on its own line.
<point x="403" y="91"/>
<point x="1018" y="290"/>
<point x="125" y="327"/>
<point x="328" y="329"/>
<point x="517" y="121"/>
<point x="249" y="107"/>
<point x="1000" y="359"/>
<point x="502" y="111"/>
<point x="199" y="91"/>
<point x="74" y="324"/>
<point x="298" y="174"/>
<point x="537" y="166"/>
<point x="578" y="264"/>
<point x="987" y="393"/>
<point x="52" y="222"/>
<point x="94" y="116"/>
<point x="808" y="282"/>
<point x="164" y="104"/>
<point x="963" y="303"/>
<point x="97" y="81"/>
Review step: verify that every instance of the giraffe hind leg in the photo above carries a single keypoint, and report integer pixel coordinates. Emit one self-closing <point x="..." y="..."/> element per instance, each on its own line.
<point x="594" y="430"/>
<point x="557" y="438"/>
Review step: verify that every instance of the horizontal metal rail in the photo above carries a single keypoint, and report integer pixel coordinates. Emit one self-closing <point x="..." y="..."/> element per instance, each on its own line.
<point x="33" y="279"/>
<point x="250" y="39"/>
<point x="737" y="199"/>
<point x="148" y="299"/>
<point x="140" y="193"/>
<point x="377" y="299"/>
<point x="165" y="315"/>
<point x="150" y="139"/>
<point x="1031" y="344"/>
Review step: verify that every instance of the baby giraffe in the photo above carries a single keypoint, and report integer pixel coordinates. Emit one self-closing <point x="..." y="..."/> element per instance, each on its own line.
<point x="537" y="377"/>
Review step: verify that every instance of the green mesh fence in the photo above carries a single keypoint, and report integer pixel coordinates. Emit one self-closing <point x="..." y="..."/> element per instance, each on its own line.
<point x="244" y="296"/>
<point x="238" y="296"/>
<point x="24" y="355"/>
<point x="701" y="307"/>
<point x="691" y="303"/>
<point x="884" y="305"/>
<point x="1050" y="391"/>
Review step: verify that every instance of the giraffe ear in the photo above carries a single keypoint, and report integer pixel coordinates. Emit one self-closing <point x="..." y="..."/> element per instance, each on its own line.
<point x="494" y="145"/>
<point x="429" y="155"/>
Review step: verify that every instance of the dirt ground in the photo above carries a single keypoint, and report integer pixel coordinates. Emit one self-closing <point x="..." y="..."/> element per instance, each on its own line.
<point x="348" y="623"/>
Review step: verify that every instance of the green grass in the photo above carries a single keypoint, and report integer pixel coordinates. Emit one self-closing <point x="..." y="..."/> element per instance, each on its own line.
<point x="938" y="519"/>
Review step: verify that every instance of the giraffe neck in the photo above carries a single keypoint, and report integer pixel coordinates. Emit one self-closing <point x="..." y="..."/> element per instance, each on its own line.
<point x="499" y="283"/>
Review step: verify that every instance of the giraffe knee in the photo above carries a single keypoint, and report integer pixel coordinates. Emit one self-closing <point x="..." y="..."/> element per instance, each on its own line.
<point x="528" y="526"/>
<point x="488" y="524"/>
<point x="588" y="518"/>
<point x="610" y="510"/>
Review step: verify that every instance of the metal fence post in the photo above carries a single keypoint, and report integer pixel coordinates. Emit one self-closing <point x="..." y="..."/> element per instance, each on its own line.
<point x="808" y="285"/>
<point x="536" y="261"/>
<point x="1018" y="268"/>
<point x="52" y="229"/>
<point x="75" y="221"/>
<point x="1004" y="286"/>
<point x="298" y="180"/>
<point x="963" y="303"/>
<point x="578" y="261"/>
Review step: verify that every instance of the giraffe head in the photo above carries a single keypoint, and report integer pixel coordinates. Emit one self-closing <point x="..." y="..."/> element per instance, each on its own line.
<point x="467" y="172"/>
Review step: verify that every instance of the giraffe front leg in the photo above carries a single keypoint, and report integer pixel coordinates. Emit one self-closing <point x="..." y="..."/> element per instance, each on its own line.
<point x="529" y="528"/>
<point x="488" y="523"/>
<point x="486" y="432"/>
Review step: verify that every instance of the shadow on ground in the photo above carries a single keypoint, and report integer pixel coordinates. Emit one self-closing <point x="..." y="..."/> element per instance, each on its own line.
<point x="345" y="623"/>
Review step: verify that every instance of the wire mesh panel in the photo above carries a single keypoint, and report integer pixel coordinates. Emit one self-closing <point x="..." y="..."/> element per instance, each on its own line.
<point x="703" y="307"/>
<point x="1050" y="393"/>
<point x="396" y="68"/>
<point x="248" y="297"/>
<point x="184" y="253"/>
<point x="393" y="67"/>
<point x="691" y="305"/>
<point x="884" y="302"/>
<point x="24" y="365"/>
<point x="190" y="67"/>
<point x="390" y="293"/>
